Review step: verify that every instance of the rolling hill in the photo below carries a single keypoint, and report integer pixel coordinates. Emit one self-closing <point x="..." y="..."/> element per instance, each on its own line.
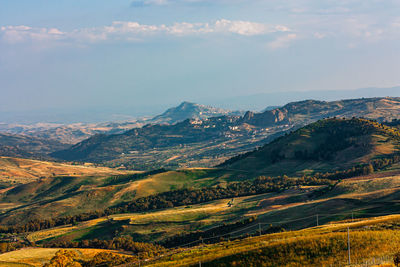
<point x="353" y="203"/>
<point x="223" y="206"/>
<point x="324" y="146"/>
<point x="15" y="145"/>
<point x="20" y="171"/>
<point x="208" y="142"/>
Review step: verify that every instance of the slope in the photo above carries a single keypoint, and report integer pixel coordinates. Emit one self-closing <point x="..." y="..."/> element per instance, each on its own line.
<point x="325" y="146"/>
<point x="17" y="170"/>
<point x="15" y="145"/>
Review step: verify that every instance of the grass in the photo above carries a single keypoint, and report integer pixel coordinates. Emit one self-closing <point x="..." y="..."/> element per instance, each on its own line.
<point x="64" y="196"/>
<point x="21" y="171"/>
<point x="317" y="246"/>
<point x="362" y="196"/>
<point x="153" y="226"/>
<point x="179" y="179"/>
<point x="314" y="246"/>
<point x="39" y="256"/>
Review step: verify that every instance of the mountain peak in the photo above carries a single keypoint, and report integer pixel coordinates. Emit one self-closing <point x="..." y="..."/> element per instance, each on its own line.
<point x="190" y="110"/>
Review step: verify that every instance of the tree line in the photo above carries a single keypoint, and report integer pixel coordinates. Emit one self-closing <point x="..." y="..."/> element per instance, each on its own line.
<point x="361" y="169"/>
<point x="118" y="243"/>
<point x="174" y="198"/>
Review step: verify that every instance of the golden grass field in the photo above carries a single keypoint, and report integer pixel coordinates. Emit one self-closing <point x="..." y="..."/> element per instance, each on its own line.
<point x="324" y="245"/>
<point x="39" y="256"/>
<point x="57" y="231"/>
<point x="27" y="170"/>
<point x="317" y="246"/>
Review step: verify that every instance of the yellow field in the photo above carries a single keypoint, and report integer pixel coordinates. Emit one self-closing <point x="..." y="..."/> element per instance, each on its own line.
<point x="175" y="214"/>
<point x="317" y="246"/>
<point x="27" y="170"/>
<point x="39" y="256"/>
<point x="53" y="232"/>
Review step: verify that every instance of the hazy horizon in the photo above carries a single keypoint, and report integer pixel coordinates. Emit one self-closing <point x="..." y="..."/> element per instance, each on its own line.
<point x="255" y="102"/>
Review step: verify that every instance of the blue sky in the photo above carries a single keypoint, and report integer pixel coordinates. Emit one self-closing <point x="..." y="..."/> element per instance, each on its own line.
<point x="92" y="54"/>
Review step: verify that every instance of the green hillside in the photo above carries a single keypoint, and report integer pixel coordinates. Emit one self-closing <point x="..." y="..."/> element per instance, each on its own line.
<point x="70" y="195"/>
<point x="325" y="146"/>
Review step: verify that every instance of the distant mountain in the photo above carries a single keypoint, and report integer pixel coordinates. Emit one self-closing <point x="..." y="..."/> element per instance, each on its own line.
<point x="323" y="146"/>
<point x="76" y="132"/>
<point x="210" y="141"/>
<point x="257" y="102"/>
<point x="14" y="145"/>
<point x="307" y="111"/>
<point x="188" y="110"/>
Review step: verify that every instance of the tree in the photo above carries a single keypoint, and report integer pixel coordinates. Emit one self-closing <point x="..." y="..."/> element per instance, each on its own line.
<point x="396" y="259"/>
<point x="64" y="258"/>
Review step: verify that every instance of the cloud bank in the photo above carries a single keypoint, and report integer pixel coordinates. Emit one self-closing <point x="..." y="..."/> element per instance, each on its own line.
<point x="133" y="31"/>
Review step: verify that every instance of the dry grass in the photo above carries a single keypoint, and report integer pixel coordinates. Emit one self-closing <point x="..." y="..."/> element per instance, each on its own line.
<point x="27" y="170"/>
<point x="39" y="256"/>
<point x="317" y="246"/>
<point x="53" y="232"/>
<point x="175" y="214"/>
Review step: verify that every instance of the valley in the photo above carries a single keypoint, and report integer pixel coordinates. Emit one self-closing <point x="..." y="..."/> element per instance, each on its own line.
<point x="287" y="188"/>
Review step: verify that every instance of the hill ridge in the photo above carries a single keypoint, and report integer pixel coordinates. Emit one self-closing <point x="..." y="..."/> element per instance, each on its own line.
<point x="326" y="142"/>
<point x="208" y="142"/>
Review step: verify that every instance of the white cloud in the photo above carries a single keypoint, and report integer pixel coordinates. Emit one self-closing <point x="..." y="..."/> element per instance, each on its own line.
<point x="131" y="31"/>
<point x="282" y="41"/>
<point x="17" y="34"/>
<point x="247" y="28"/>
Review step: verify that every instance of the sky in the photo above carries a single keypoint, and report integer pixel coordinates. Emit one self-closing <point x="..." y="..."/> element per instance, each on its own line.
<point x="138" y="56"/>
